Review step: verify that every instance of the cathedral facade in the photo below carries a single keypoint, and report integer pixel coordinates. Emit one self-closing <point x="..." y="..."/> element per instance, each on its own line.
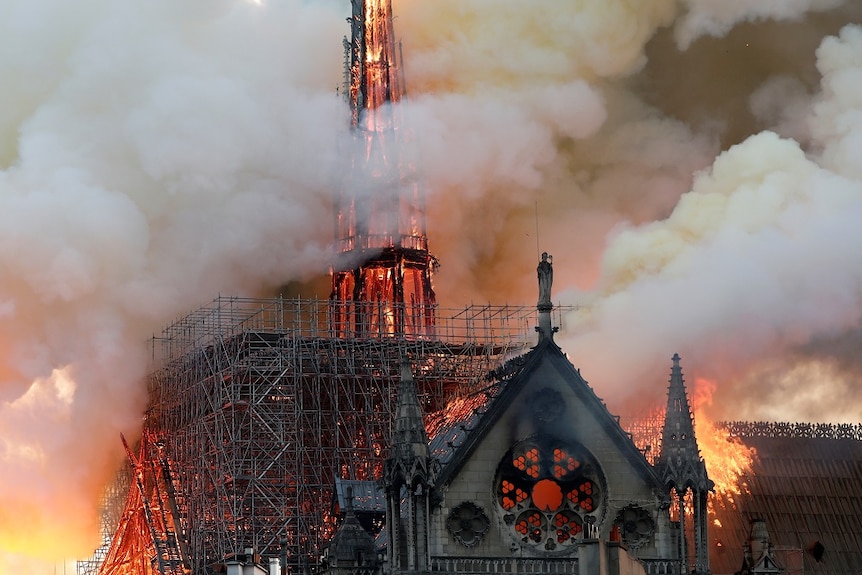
<point x="533" y="474"/>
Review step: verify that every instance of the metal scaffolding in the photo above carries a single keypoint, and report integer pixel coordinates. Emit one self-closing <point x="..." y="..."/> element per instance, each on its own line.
<point x="259" y="407"/>
<point x="112" y="506"/>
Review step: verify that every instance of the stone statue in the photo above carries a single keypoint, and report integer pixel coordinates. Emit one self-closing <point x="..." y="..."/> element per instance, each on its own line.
<point x="546" y="278"/>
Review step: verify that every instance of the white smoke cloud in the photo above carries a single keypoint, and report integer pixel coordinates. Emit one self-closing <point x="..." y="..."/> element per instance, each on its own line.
<point x="720" y="273"/>
<point x="758" y="260"/>
<point x="717" y="17"/>
<point x="525" y="108"/>
<point x="152" y="155"/>
<point x="836" y="122"/>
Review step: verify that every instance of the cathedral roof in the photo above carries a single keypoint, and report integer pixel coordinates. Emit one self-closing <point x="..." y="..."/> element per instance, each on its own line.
<point x="368" y="497"/>
<point x="457" y="434"/>
<point x="806" y="482"/>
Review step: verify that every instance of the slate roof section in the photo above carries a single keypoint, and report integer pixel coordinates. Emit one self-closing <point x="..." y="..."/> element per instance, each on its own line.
<point x="368" y="497"/>
<point x="809" y="491"/>
<point x="450" y="426"/>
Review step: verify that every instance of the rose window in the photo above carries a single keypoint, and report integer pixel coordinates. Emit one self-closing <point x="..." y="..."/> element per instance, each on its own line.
<point x="547" y="491"/>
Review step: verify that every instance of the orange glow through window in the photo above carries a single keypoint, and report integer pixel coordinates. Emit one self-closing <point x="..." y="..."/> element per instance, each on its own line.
<point x="547" y="495"/>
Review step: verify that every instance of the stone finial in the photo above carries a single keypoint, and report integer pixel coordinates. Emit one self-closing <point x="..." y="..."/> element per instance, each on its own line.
<point x="680" y="461"/>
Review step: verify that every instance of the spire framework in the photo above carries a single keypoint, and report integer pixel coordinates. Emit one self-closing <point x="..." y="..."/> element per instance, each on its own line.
<point x="383" y="267"/>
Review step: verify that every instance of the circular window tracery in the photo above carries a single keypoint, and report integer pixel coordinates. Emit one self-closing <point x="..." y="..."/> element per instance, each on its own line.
<point x="568" y="526"/>
<point x="547" y="490"/>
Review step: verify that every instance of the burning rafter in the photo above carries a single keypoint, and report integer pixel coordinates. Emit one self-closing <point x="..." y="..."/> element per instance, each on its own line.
<point x="147" y="540"/>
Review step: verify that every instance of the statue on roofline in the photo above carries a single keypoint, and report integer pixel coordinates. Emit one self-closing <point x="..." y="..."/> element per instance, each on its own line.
<point x="545" y="272"/>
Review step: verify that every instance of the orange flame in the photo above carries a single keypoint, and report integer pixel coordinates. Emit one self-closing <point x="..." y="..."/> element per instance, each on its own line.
<point x="457" y="409"/>
<point x="727" y="459"/>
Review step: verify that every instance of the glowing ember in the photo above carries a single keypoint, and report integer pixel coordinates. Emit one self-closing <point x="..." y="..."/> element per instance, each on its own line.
<point x="458" y="409"/>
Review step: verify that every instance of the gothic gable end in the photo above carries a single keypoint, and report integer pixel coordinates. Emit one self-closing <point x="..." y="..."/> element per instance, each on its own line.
<point x="534" y="388"/>
<point x="538" y="465"/>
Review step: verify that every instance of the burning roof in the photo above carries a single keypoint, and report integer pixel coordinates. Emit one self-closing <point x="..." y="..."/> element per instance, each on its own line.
<point x="806" y="482"/>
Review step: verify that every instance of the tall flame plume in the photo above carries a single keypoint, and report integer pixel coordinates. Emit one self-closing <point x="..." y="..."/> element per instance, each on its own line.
<point x="728" y="460"/>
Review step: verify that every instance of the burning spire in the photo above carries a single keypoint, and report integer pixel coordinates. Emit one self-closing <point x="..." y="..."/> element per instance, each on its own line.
<point x="382" y="273"/>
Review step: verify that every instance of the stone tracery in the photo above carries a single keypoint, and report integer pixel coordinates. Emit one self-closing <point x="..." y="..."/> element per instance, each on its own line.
<point x="547" y="490"/>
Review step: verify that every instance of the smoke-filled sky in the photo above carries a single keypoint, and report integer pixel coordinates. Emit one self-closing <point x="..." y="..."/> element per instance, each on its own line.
<point x="696" y="168"/>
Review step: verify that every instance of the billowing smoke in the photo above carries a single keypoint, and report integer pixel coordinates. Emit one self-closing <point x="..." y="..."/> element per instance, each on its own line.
<point x="153" y="155"/>
<point x="717" y="18"/>
<point x="695" y="174"/>
<point x="755" y="274"/>
<point x="694" y="168"/>
<point x="527" y="108"/>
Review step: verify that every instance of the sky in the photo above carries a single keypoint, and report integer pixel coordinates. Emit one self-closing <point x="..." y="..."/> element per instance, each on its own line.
<point x="693" y="165"/>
